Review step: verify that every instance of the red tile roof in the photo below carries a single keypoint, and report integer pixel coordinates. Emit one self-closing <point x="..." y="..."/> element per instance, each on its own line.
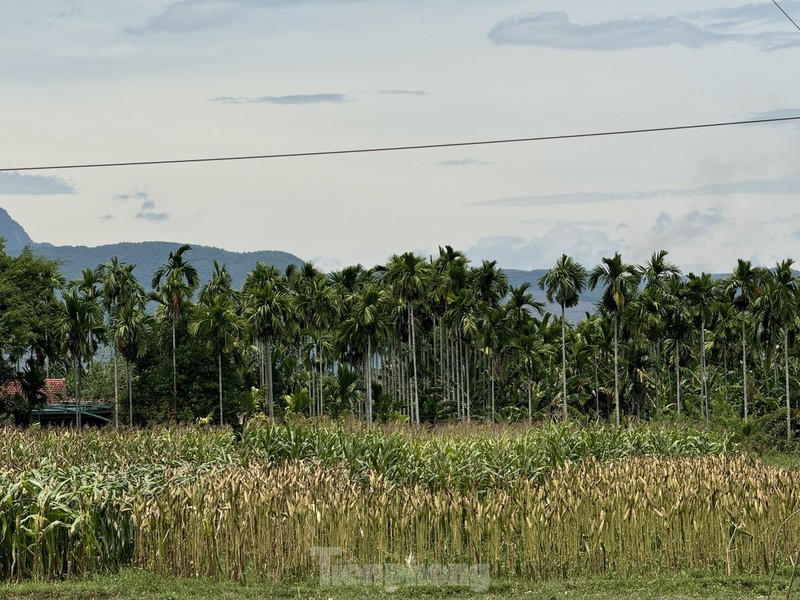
<point x="54" y="389"/>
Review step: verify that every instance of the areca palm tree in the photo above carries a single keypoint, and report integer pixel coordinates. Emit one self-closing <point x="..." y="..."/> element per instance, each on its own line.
<point x="408" y="275"/>
<point x="677" y="327"/>
<point x="620" y="281"/>
<point x="365" y="324"/>
<point x="215" y="318"/>
<point x="80" y="324"/>
<point x="450" y="285"/>
<point x="119" y="286"/>
<point x="494" y="333"/>
<point x="174" y="283"/>
<point x="650" y="307"/>
<point x="521" y="304"/>
<point x="313" y="310"/>
<point x="700" y="293"/>
<point x="745" y="285"/>
<point x="130" y="336"/>
<point x="265" y="307"/>
<point x="658" y="269"/>
<point x="87" y="285"/>
<point x="220" y="283"/>
<point x="490" y="283"/>
<point x="529" y="351"/>
<point x="783" y="296"/>
<point x="563" y="285"/>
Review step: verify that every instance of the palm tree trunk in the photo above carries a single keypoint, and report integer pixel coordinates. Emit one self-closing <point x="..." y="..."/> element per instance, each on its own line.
<point x="174" y="375"/>
<point x="270" y="392"/>
<point x="744" y="369"/>
<point x="77" y="370"/>
<point x="596" y="387"/>
<point x="116" y="388"/>
<point x="368" y="373"/>
<point x="616" y="368"/>
<point x="493" y="378"/>
<point x="725" y="367"/>
<point x="564" y="361"/>
<point x="219" y="371"/>
<point x="466" y="383"/>
<point x="703" y="387"/>
<point x="129" y="377"/>
<point x="415" y="418"/>
<point x="658" y="376"/>
<point x="678" y="376"/>
<point x="786" y="373"/>
<point x="530" y="404"/>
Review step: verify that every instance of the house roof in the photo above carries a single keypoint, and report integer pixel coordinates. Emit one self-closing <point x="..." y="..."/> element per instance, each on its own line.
<point x="54" y="389"/>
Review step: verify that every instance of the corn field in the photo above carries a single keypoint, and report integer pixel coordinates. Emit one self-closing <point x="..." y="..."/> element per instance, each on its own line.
<point x="531" y="504"/>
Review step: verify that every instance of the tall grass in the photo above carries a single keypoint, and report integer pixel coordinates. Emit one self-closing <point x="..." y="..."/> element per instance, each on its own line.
<point x="531" y="503"/>
<point x="633" y="516"/>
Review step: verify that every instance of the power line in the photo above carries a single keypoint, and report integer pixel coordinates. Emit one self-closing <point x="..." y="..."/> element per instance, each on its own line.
<point x="545" y="138"/>
<point x="786" y="14"/>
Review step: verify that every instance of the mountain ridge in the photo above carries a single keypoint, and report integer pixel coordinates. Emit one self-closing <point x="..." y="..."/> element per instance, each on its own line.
<point x="147" y="256"/>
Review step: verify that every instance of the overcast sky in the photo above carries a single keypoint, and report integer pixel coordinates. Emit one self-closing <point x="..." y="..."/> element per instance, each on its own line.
<point x="93" y="81"/>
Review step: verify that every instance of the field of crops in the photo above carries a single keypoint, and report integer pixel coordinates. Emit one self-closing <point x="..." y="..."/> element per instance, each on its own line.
<point x="551" y="502"/>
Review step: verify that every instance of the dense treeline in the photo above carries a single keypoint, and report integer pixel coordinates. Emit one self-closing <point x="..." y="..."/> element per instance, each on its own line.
<point x="415" y="339"/>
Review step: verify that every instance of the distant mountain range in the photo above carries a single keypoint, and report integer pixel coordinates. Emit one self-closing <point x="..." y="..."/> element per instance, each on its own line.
<point x="148" y="256"/>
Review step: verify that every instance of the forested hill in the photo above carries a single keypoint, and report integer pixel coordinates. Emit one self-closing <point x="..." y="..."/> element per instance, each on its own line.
<point x="148" y="256"/>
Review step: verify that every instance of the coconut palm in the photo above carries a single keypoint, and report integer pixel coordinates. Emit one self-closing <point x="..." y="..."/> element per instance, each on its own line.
<point x="563" y="285"/>
<point x="174" y="283"/>
<point x="620" y="281"/>
<point x="216" y="320"/>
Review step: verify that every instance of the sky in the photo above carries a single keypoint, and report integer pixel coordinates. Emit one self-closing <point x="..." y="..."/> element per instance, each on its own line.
<point x="87" y="81"/>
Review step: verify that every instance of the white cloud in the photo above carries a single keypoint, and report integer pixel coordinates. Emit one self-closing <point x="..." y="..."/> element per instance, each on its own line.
<point x="291" y="99"/>
<point x="586" y="245"/>
<point x="771" y="187"/>
<point x="464" y="162"/>
<point x="17" y="184"/>
<point x="556" y="30"/>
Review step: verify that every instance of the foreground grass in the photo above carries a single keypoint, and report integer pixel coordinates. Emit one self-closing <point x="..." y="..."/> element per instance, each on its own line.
<point x="557" y="502"/>
<point x="140" y="585"/>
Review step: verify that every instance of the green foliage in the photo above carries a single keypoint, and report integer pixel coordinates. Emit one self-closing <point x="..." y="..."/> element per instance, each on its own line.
<point x="298" y="402"/>
<point x="200" y="503"/>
